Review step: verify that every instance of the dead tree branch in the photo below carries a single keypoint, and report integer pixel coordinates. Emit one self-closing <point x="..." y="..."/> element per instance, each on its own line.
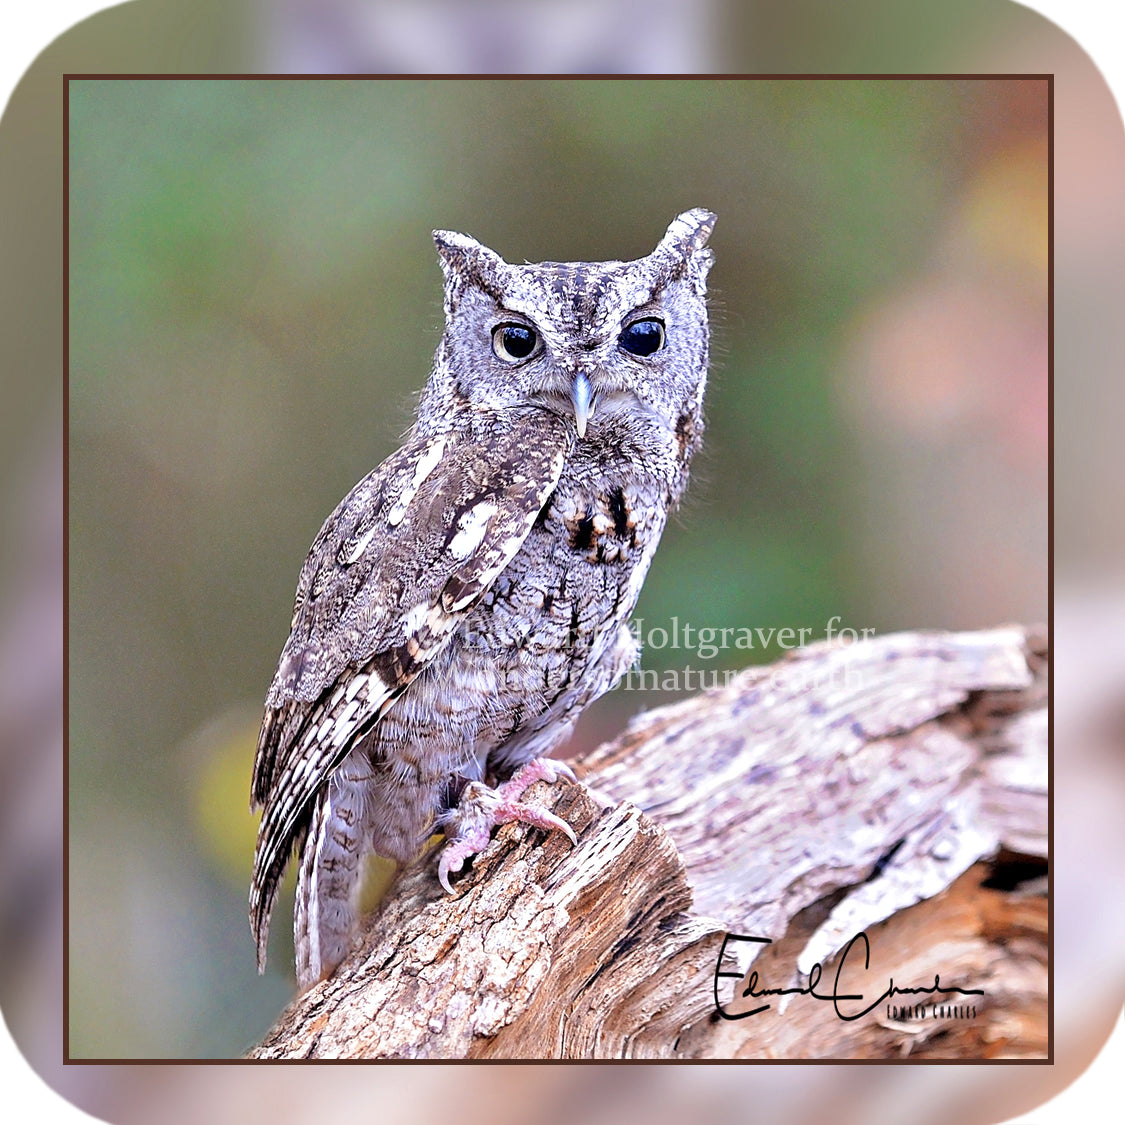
<point x="895" y="787"/>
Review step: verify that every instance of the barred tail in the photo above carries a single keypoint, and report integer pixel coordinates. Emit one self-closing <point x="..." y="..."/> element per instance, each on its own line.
<point x="328" y="883"/>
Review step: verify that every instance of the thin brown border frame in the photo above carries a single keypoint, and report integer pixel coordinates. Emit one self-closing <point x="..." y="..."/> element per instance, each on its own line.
<point x="1049" y="78"/>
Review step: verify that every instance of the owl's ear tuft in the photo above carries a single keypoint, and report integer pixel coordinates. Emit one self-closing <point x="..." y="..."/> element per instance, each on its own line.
<point x="466" y="261"/>
<point x="688" y="233"/>
<point x="682" y="250"/>
<point x="461" y="254"/>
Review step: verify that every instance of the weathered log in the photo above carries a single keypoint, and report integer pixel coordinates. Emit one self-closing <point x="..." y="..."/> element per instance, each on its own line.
<point x="894" y="788"/>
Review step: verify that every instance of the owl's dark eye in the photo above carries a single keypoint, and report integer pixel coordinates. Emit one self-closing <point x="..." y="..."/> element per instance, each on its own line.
<point x="642" y="337"/>
<point x="513" y="342"/>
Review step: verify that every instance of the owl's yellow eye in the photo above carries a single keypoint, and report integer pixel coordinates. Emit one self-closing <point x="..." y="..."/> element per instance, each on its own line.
<point x="514" y="342"/>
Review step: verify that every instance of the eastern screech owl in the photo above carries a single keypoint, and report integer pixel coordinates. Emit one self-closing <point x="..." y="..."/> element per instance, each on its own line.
<point x="470" y="596"/>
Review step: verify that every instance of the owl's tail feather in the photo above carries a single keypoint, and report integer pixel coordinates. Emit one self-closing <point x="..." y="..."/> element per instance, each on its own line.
<point x="327" y="885"/>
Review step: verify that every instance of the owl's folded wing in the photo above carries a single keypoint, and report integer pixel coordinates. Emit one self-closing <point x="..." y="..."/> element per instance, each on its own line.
<point x="394" y="569"/>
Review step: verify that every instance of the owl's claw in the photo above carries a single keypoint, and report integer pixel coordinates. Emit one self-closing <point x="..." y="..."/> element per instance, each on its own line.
<point x="452" y="860"/>
<point x="481" y="809"/>
<point x="538" y="769"/>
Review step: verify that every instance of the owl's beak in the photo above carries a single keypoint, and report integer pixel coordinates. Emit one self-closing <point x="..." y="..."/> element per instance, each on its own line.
<point x="583" y="400"/>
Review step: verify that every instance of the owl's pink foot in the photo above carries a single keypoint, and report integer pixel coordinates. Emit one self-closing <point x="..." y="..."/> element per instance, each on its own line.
<point x="481" y="809"/>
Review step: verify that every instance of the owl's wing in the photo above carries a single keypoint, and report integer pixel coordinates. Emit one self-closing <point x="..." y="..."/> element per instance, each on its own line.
<point x="394" y="569"/>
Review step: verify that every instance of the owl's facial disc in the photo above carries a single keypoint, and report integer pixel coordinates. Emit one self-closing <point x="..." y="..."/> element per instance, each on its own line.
<point x="584" y="402"/>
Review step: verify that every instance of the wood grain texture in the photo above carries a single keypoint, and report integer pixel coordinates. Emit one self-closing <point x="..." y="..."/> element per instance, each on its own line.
<point x="896" y="787"/>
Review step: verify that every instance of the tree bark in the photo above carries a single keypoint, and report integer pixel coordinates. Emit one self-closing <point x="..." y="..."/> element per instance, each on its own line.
<point x="894" y="788"/>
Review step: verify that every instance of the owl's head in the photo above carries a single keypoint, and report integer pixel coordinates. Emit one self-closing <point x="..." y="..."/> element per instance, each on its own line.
<point x="585" y="340"/>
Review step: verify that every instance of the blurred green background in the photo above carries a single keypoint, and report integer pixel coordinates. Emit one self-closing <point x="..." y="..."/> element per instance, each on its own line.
<point x="255" y="300"/>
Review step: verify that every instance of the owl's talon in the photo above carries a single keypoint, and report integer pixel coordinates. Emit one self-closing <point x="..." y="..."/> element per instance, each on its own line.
<point x="449" y="864"/>
<point x="539" y="818"/>
<point x="481" y="809"/>
<point x="538" y="769"/>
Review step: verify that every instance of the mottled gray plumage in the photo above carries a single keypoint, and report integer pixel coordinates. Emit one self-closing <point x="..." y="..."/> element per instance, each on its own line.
<point x="470" y="596"/>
